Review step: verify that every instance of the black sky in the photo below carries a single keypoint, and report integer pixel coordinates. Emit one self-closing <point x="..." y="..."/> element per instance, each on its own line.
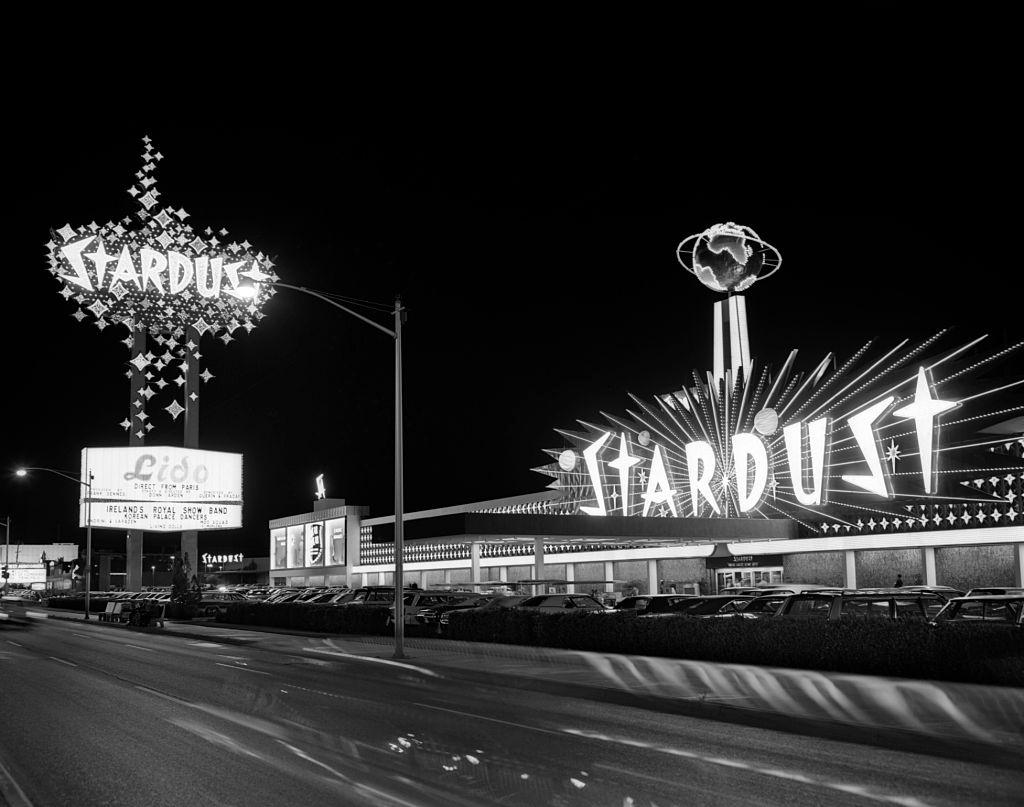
<point x="539" y="270"/>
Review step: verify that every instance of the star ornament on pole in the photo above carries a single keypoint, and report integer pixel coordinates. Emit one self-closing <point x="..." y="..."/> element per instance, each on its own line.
<point x="924" y="411"/>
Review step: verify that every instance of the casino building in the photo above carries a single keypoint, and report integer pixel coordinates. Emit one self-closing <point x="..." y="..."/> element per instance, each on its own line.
<point x="900" y="459"/>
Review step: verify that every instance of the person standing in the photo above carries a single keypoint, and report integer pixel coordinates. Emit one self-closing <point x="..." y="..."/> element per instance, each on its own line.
<point x="899" y="581"/>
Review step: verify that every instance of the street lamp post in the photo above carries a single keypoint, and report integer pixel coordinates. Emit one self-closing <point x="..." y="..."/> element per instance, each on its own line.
<point x="88" y="521"/>
<point x="7" y="552"/>
<point x="396" y="335"/>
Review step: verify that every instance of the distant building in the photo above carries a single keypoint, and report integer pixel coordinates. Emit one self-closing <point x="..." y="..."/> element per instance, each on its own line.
<point x="33" y="565"/>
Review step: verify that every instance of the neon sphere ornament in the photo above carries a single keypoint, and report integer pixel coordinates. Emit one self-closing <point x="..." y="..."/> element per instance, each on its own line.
<point x="728" y="257"/>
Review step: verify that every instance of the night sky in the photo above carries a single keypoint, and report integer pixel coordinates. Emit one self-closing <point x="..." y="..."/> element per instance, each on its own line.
<point x="539" y="272"/>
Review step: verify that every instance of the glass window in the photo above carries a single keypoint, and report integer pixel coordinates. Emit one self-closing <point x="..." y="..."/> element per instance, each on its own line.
<point x="279" y="540"/>
<point x="911" y="609"/>
<point x="867" y="609"/>
<point x="314" y="545"/>
<point x="971" y="610"/>
<point x="1000" y="612"/>
<point x="296" y="554"/>
<point x="810" y="606"/>
<point x="334" y="532"/>
<point x="585" y="602"/>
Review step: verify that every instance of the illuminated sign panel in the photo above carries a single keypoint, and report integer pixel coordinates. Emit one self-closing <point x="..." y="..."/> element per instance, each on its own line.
<point x="26" y="574"/>
<point x="162" y="488"/>
<point x="164" y="517"/>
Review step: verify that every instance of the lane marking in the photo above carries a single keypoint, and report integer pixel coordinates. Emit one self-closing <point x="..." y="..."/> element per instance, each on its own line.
<point x="490" y="719"/>
<point x="14" y="643"/>
<point x="860" y="790"/>
<point x="163" y="695"/>
<point x="389" y="662"/>
<point x="115" y="641"/>
<point x="243" y="669"/>
<point x="205" y="644"/>
<point x="69" y="663"/>
<point x="6" y="777"/>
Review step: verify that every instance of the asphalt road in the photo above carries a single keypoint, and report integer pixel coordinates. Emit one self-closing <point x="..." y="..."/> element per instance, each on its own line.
<point x="95" y="716"/>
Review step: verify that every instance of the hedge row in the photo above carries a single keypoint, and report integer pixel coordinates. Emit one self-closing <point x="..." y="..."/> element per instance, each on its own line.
<point x="99" y="605"/>
<point x="300" y="616"/>
<point x="868" y="647"/>
<point x="77" y="603"/>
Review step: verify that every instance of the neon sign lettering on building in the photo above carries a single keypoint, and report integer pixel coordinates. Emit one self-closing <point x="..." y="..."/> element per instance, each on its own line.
<point x="750" y="460"/>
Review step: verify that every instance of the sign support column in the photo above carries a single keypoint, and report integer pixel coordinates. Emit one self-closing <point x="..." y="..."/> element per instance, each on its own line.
<point x="136" y="437"/>
<point x="190" y="538"/>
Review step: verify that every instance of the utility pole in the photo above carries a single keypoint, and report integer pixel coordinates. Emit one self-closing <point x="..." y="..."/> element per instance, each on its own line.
<point x="7" y="553"/>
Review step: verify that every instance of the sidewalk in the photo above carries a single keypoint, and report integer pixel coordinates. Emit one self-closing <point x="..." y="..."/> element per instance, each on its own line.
<point x="881" y="711"/>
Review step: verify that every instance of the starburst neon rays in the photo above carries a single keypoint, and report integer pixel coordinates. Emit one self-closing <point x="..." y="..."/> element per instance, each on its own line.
<point x="795" y="443"/>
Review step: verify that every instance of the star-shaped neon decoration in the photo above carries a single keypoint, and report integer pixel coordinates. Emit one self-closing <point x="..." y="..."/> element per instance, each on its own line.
<point x="622" y="463"/>
<point x="892" y="454"/>
<point x="924" y="410"/>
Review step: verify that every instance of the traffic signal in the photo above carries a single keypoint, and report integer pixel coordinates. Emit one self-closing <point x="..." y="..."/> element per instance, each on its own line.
<point x="5" y="574"/>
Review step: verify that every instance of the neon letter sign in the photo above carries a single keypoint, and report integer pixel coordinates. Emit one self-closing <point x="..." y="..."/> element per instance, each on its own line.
<point x="816" y="431"/>
<point x="746" y="447"/>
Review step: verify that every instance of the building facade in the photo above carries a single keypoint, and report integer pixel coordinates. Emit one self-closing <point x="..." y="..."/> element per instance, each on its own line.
<point x="901" y="460"/>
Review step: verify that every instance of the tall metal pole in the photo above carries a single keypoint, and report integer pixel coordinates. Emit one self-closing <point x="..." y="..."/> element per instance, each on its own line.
<point x="88" y="541"/>
<point x="399" y="494"/>
<point x="7" y="552"/>
<point x="190" y="538"/>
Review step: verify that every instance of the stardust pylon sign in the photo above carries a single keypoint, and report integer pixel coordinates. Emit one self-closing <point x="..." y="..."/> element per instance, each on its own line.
<point x="850" y="447"/>
<point x="160" y="275"/>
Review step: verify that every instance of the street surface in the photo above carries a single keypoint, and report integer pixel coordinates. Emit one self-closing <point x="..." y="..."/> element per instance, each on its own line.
<point x="94" y="715"/>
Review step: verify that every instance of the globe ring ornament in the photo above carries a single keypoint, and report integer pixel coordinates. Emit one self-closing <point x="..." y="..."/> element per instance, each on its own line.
<point x="726" y="240"/>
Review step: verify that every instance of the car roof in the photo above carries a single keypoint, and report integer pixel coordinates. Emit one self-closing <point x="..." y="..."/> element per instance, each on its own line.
<point x="989" y="598"/>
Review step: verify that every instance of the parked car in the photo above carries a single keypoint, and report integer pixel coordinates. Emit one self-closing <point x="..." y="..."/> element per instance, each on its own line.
<point x="323" y="596"/>
<point x="974" y="592"/>
<point x="712" y="605"/>
<point x="373" y="596"/>
<point x="496" y="604"/>
<point x="946" y="592"/>
<point x="983" y="610"/>
<point x="216" y="602"/>
<point x="429" y="617"/>
<point x="652" y="603"/>
<point x="857" y="604"/>
<point x="762" y="607"/>
<point x="558" y="603"/>
<point x="416" y="601"/>
<point x="277" y="594"/>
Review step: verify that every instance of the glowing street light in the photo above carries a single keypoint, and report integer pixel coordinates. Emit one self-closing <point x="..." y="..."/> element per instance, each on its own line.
<point x="250" y="289"/>
<point x="88" y="521"/>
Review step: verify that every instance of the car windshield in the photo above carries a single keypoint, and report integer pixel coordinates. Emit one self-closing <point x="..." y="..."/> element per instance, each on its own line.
<point x="763" y="605"/>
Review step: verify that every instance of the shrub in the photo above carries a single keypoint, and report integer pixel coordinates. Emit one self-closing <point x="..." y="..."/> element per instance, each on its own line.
<point x="870" y="647"/>
<point x="300" y="616"/>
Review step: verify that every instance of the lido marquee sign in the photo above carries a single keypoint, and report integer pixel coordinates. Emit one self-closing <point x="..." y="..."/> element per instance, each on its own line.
<point x="161" y="489"/>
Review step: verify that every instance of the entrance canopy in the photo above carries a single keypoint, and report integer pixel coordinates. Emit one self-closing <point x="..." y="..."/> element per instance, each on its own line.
<point x="502" y="528"/>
